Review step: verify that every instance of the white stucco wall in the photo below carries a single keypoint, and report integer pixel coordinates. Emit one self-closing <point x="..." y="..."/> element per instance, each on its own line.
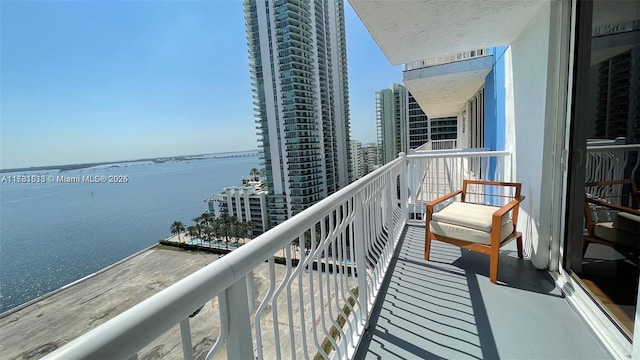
<point x="525" y="80"/>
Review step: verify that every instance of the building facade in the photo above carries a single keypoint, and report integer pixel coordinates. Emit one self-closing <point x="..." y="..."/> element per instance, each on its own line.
<point x="391" y="121"/>
<point x="364" y="158"/>
<point x="298" y="64"/>
<point x="247" y="202"/>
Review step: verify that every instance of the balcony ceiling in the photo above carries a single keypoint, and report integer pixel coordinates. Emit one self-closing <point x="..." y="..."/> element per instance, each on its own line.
<point x="413" y="30"/>
<point x="443" y="90"/>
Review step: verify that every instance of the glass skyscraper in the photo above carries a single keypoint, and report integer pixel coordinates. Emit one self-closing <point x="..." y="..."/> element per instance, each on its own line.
<point x="298" y="62"/>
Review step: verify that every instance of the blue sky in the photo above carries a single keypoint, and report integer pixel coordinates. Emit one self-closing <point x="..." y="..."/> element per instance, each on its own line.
<point x="114" y="80"/>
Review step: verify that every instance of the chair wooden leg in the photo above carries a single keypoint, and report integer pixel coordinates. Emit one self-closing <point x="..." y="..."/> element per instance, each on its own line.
<point x="493" y="266"/>
<point x="519" y="245"/>
<point x="427" y="244"/>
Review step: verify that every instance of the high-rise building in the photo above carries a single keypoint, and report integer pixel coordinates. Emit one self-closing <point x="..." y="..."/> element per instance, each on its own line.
<point x="419" y="127"/>
<point x="391" y="121"/>
<point x="370" y="158"/>
<point x="298" y="61"/>
<point x="357" y="163"/>
<point x="364" y="158"/>
<point x="402" y="124"/>
<point x="615" y="90"/>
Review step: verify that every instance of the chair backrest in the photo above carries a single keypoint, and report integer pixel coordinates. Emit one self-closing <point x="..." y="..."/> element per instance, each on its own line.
<point x="623" y="192"/>
<point x="495" y="193"/>
<point x="603" y="199"/>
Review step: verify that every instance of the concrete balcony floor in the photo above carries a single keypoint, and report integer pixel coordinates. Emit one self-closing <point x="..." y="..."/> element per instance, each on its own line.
<point x="447" y="308"/>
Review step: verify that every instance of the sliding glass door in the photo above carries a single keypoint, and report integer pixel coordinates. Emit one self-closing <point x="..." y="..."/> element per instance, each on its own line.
<point x="603" y="207"/>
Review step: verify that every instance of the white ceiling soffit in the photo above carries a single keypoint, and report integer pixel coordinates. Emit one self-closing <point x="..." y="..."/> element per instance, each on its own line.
<point x="410" y="30"/>
<point x="443" y="90"/>
<point x="445" y="95"/>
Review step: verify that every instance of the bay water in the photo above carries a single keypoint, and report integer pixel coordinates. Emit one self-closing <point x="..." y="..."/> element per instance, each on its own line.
<point x="54" y="233"/>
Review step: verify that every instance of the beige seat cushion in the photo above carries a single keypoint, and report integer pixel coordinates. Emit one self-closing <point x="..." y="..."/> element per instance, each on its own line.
<point x="627" y="222"/>
<point x="469" y="222"/>
<point x="468" y="234"/>
<point x="607" y="231"/>
<point x="474" y="216"/>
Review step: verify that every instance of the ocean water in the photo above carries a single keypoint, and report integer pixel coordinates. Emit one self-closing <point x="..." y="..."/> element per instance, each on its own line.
<point x="52" y="233"/>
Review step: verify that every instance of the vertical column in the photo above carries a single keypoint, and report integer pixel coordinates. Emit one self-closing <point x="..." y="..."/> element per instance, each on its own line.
<point x="239" y="342"/>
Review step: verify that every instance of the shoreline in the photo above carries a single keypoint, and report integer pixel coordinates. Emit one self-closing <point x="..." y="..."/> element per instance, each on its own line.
<point x="75" y="309"/>
<point x="183" y="239"/>
<point x="73" y="283"/>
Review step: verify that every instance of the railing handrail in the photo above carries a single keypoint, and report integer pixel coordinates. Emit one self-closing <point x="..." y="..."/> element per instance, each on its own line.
<point x="450" y="153"/>
<point x="613" y="147"/>
<point x="152" y="317"/>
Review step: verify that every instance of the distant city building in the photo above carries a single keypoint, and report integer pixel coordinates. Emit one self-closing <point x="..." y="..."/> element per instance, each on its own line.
<point x="247" y="202"/>
<point x="357" y="163"/>
<point x="419" y="129"/>
<point x="616" y="90"/>
<point x="391" y="121"/>
<point x="298" y="63"/>
<point x="403" y="126"/>
<point x="370" y="157"/>
<point x="364" y="158"/>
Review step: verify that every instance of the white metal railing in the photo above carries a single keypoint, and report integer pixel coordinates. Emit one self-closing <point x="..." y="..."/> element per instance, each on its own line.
<point x="445" y="59"/>
<point x="446" y="144"/>
<point x="317" y="303"/>
<point x="611" y="162"/>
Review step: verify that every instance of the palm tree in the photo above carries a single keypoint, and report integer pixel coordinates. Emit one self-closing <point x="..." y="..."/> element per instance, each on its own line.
<point x="224" y="222"/>
<point x="205" y="219"/>
<point x="236" y="231"/>
<point x="177" y="228"/>
<point x="216" y="229"/>
<point x="193" y="232"/>
<point x="247" y="229"/>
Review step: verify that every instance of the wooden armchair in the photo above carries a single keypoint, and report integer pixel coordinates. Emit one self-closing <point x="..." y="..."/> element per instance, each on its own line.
<point x="473" y="223"/>
<point x="612" y="216"/>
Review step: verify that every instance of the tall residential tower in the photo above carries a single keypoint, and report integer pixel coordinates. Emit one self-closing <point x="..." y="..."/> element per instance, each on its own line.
<point x="298" y="61"/>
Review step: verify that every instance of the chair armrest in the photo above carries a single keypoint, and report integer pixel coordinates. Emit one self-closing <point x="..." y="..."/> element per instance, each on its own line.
<point x="437" y="201"/>
<point x="612" y="206"/>
<point x="496" y="218"/>
<point x="508" y="207"/>
<point x="443" y="198"/>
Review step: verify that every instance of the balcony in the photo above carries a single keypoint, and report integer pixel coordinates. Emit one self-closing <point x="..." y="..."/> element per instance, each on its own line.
<point x="354" y="285"/>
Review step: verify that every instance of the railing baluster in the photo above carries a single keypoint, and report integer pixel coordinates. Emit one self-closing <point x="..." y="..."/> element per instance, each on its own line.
<point x="251" y="295"/>
<point x="187" y="347"/>
<point x="312" y="292"/>
<point x="239" y="342"/>
<point x="287" y="281"/>
<point x="403" y="186"/>
<point x="223" y="310"/>
<point x="262" y="307"/>
<point x="301" y="265"/>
